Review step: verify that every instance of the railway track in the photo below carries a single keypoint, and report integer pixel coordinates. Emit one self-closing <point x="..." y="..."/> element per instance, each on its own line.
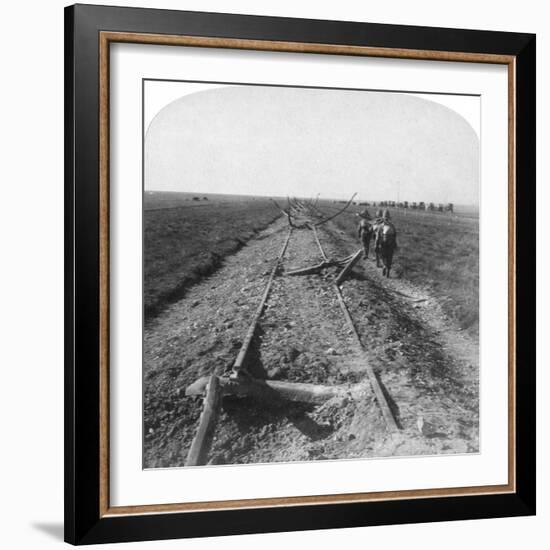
<point x="304" y="218"/>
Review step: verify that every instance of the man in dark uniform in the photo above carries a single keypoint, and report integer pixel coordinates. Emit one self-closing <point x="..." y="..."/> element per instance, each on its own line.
<point x="383" y="219"/>
<point x="385" y="241"/>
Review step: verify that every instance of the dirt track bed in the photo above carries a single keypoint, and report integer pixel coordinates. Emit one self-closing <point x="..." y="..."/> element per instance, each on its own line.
<point x="418" y="354"/>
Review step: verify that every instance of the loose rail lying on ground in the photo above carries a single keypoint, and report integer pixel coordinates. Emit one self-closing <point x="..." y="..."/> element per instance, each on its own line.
<point x="299" y="392"/>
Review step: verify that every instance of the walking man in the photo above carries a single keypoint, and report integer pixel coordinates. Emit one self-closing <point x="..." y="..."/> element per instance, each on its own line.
<point x="364" y="231"/>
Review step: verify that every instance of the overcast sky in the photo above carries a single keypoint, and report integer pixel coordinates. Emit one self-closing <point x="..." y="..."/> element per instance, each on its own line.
<point x="290" y="141"/>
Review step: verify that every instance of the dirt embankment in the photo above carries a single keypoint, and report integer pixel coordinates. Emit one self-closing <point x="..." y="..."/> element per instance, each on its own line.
<point x="426" y="365"/>
<point x="185" y="242"/>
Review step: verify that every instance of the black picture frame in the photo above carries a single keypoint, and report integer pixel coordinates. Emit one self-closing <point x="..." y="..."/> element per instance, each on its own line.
<point x="84" y="523"/>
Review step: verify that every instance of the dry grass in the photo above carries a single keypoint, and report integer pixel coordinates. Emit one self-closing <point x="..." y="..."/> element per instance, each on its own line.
<point x="185" y="240"/>
<point x="440" y="252"/>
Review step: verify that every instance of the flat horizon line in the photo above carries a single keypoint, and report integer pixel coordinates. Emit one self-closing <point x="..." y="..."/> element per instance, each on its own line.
<point x="203" y="193"/>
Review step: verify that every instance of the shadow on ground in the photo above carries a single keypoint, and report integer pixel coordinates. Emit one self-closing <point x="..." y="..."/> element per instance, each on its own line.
<point x="53" y="530"/>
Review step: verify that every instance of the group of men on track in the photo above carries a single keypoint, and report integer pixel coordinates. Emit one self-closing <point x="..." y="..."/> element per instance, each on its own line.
<point x="369" y="228"/>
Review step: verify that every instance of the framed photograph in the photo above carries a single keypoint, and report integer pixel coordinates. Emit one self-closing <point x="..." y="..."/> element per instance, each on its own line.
<point x="300" y="274"/>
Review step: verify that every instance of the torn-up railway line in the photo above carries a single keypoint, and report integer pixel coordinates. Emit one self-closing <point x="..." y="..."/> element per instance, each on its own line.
<point x="239" y="382"/>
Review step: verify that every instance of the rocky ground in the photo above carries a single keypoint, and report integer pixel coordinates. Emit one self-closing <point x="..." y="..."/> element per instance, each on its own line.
<point x="427" y="367"/>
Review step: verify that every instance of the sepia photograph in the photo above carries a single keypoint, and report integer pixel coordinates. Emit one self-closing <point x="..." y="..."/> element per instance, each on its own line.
<point x="310" y="274"/>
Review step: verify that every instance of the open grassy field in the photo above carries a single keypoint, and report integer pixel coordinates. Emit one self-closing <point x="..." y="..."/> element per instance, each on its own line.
<point x="186" y="239"/>
<point x="438" y="251"/>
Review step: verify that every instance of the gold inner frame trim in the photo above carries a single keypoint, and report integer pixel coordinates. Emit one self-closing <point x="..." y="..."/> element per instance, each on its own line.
<point x="105" y="39"/>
